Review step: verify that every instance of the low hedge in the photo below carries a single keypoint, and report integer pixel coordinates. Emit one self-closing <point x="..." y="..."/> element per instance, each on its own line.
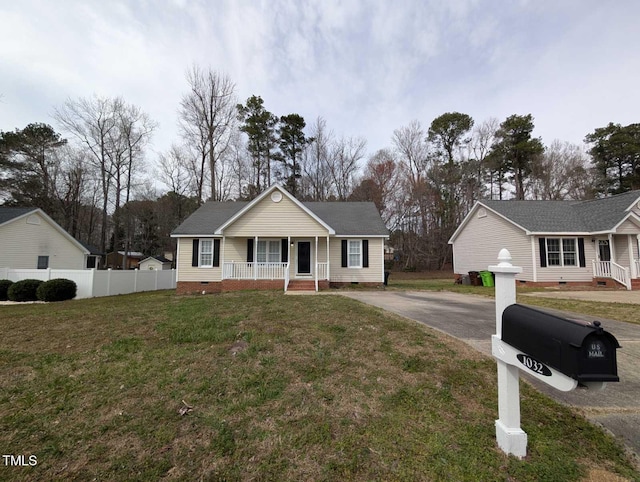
<point x="58" y="289"/>
<point x="24" y="290"/>
<point x="4" y="287"/>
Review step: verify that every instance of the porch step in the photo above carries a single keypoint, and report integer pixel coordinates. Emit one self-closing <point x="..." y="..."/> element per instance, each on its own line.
<point x="302" y="285"/>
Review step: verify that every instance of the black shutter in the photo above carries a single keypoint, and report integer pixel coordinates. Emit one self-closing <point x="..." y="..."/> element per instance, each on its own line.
<point x="216" y="252"/>
<point x="284" y="251"/>
<point x="195" y="253"/>
<point x="583" y="261"/>
<point x="365" y="253"/>
<point x="543" y="252"/>
<point x="250" y="250"/>
<point x="344" y="253"/>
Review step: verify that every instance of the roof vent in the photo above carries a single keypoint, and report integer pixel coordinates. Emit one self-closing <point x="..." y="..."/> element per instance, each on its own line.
<point x="482" y="213"/>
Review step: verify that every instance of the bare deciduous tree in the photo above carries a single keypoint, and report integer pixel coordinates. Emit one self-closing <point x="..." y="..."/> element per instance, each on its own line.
<point x="561" y="173"/>
<point x="207" y="116"/>
<point x="345" y="156"/>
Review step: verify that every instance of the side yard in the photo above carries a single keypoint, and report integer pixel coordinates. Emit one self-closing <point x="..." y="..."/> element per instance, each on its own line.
<point x="259" y="385"/>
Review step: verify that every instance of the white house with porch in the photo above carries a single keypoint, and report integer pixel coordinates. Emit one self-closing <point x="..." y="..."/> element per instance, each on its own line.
<point x="278" y="242"/>
<point x="556" y="242"/>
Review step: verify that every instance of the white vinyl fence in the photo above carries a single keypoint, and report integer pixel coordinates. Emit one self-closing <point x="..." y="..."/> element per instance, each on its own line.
<point x="93" y="282"/>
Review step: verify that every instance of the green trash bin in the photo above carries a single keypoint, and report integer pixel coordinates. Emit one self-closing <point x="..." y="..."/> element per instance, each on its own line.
<point x="487" y="278"/>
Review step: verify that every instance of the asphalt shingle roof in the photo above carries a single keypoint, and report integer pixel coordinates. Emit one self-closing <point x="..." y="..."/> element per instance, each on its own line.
<point x="7" y="214"/>
<point x="567" y="216"/>
<point x="346" y="218"/>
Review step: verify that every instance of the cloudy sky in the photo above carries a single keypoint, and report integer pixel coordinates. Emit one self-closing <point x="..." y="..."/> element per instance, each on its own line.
<point x="366" y="67"/>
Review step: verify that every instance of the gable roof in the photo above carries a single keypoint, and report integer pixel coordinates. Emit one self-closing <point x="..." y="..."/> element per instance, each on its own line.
<point x="9" y="214"/>
<point x="160" y="259"/>
<point x="340" y="218"/>
<point x="577" y="217"/>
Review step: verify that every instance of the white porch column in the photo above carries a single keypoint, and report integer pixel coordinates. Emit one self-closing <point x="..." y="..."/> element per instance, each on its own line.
<point x="632" y="261"/>
<point x="510" y="437"/>
<point x="329" y="265"/>
<point x="612" y="248"/>
<point x="255" y="257"/>
<point x="222" y="244"/>
<point x="316" y="263"/>
<point x="289" y="253"/>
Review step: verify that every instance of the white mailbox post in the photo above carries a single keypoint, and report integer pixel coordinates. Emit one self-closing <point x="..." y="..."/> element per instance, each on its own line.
<point x="511" y="438"/>
<point x="562" y="353"/>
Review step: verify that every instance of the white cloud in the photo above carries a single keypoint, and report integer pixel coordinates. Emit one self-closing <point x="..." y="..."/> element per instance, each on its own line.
<point x="367" y="67"/>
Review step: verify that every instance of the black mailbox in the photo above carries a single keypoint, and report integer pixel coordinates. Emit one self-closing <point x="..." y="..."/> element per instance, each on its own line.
<point x="580" y="350"/>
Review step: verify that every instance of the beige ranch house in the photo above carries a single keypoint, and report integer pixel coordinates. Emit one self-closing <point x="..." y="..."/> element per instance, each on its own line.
<point x="555" y="242"/>
<point x="30" y="239"/>
<point x="278" y="242"/>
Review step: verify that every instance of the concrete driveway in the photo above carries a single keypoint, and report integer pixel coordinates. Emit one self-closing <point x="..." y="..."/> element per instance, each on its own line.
<point x="472" y="319"/>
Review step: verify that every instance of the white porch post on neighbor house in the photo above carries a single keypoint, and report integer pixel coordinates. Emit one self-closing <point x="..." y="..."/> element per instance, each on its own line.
<point x="315" y="270"/>
<point x="510" y="437"/>
<point x="632" y="261"/>
<point x="255" y="257"/>
<point x="328" y="267"/>
<point x="612" y="249"/>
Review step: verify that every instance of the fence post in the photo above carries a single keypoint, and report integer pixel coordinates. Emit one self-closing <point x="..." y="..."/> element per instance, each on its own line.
<point x="510" y="437"/>
<point x="109" y="282"/>
<point x="135" y="280"/>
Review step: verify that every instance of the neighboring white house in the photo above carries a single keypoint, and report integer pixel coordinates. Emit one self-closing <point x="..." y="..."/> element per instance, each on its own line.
<point x="155" y="262"/>
<point x="276" y="241"/>
<point x="30" y="239"/>
<point x="556" y="242"/>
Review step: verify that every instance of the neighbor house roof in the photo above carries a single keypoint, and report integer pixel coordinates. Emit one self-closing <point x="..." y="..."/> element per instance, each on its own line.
<point x="580" y="217"/>
<point x="345" y="218"/>
<point x="8" y="214"/>
<point x="160" y="259"/>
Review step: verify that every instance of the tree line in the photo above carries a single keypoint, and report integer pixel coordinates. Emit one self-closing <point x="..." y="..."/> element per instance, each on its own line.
<point x="96" y="176"/>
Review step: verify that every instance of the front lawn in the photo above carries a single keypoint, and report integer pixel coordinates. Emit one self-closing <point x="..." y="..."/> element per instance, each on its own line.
<point x="263" y="386"/>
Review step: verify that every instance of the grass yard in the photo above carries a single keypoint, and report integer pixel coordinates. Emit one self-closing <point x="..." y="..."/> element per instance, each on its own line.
<point x="281" y="388"/>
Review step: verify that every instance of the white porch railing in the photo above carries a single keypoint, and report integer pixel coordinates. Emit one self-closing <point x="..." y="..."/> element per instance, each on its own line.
<point x="637" y="262"/>
<point x="609" y="269"/>
<point x="237" y="270"/>
<point x="321" y="270"/>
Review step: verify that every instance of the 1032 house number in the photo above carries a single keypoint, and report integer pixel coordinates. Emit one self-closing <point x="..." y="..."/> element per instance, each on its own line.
<point x="534" y="365"/>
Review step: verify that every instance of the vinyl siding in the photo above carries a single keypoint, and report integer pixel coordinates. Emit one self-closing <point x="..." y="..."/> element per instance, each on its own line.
<point x="567" y="273"/>
<point x="621" y="247"/>
<point x="23" y="242"/>
<point x="282" y="219"/>
<point x="186" y="272"/>
<point x="373" y="274"/>
<point x="628" y="227"/>
<point x="479" y="242"/>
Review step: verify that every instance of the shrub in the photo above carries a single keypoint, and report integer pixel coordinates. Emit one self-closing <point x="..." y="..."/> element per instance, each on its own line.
<point x="58" y="289"/>
<point x="24" y="290"/>
<point x="4" y="287"/>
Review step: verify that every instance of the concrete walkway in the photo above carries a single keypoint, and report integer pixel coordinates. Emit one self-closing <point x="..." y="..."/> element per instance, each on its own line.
<point x="472" y="319"/>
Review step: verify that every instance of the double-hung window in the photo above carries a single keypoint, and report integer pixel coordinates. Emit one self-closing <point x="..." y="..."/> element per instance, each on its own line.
<point x="355" y="253"/>
<point x="269" y="251"/>
<point x="206" y="253"/>
<point x="562" y="252"/>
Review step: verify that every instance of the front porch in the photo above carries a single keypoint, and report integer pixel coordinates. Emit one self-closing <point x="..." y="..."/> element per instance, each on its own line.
<point x="237" y="270"/>
<point x="300" y="262"/>
<point x="617" y="259"/>
<point x="628" y="277"/>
